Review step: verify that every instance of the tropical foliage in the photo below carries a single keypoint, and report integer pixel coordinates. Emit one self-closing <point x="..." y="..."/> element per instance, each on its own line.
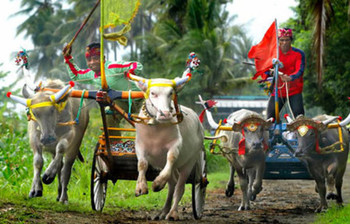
<point x="327" y="74"/>
<point x="163" y="35"/>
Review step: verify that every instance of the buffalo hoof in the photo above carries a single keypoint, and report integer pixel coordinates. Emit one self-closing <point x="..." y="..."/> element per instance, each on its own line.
<point x="229" y="191"/>
<point x="320" y="209"/>
<point x="252" y="197"/>
<point x="34" y="194"/>
<point x="141" y="192"/>
<point x="47" y="180"/>
<point x="242" y="208"/>
<point x="160" y="216"/>
<point x="158" y="185"/>
<point x="172" y="216"/>
<point x="332" y="196"/>
<point x="156" y="218"/>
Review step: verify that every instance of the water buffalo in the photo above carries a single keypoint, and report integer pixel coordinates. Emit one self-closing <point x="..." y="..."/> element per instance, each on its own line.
<point x="49" y="131"/>
<point x="244" y="143"/>
<point x="324" y="151"/>
<point x="164" y="143"/>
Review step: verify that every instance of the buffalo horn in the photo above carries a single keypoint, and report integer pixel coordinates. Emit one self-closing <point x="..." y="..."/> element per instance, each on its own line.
<point x="330" y="120"/>
<point x="18" y="99"/>
<point x="211" y="121"/>
<point x="345" y="121"/>
<point x="222" y="136"/>
<point x="57" y="96"/>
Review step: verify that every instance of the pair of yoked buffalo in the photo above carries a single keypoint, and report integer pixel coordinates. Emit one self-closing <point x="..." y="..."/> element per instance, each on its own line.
<point x="176" y="147"/>
<point x="323" y="145"/>
<point x="166" y="143"/>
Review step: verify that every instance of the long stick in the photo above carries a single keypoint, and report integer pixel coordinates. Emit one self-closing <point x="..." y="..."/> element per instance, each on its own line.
<point x="83" y="24"/>
<point x="277" y="112"/>
<point x="103" y="74"/>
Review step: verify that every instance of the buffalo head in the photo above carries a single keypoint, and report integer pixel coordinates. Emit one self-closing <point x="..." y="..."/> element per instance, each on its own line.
<point x="160" y="95"/>
<point x="311" y="132"/>
<point x="44" y="108"/>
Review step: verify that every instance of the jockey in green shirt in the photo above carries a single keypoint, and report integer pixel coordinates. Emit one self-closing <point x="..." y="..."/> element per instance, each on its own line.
<point x="114" y="70"/>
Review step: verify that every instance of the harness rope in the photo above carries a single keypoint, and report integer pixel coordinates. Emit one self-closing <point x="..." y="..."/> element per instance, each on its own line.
<point x="331" y="148"/>
<point x="59" y="106"/>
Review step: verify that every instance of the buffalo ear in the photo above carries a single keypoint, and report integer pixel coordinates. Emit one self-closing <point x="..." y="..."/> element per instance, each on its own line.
<point x="27" y="92"/>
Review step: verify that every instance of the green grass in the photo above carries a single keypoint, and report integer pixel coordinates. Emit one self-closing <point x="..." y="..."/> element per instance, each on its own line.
<point x="334" y="215"/>
<point x="16" y="172"/>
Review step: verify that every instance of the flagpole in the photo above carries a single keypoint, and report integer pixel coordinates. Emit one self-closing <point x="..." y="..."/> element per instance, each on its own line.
<point x="102" y="61"/>
<point x="277" y="112"/>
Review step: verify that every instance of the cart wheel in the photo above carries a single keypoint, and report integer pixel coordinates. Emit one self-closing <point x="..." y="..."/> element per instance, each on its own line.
<point x="199" y="186"/>
<point x="98" y="187"/>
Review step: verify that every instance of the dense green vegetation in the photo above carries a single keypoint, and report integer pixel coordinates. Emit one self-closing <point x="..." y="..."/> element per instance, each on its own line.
<point x="16" y="171"/>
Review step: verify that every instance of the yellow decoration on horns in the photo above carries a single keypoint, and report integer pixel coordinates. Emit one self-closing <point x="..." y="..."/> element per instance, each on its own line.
<point x="303" y="130"/>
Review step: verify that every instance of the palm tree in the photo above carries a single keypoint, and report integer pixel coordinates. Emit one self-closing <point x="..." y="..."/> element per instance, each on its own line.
<point x="322" y="12"/>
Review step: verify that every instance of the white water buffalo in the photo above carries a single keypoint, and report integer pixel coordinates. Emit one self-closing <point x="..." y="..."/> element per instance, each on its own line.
<point x="164" y="143"/>
<point x="244" y="146"/>
<point x="49" y="131"/>
<point x="320" y="147"/>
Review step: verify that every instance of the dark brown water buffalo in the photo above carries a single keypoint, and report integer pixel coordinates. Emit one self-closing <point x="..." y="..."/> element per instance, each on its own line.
<point x="325" y="152"/>
<point x="49" y="130"/>
<point x="245" y="147"/>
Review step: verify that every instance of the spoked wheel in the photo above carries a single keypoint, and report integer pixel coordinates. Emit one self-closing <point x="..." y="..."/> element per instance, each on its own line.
<point x="199" y="186"/>
<point x="98" y="187"/>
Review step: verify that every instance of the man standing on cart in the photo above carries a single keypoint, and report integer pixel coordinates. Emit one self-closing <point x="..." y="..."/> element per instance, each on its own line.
<point x="290" y="83"/>
<point x="114" y="74"/>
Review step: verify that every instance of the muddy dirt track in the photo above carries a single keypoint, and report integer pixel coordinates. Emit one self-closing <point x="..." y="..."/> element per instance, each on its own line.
<point x="281" y="201"/>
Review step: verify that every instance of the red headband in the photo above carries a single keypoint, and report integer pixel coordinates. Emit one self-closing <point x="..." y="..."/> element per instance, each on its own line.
<point x="285" y="33"/>
<point x="92" y="52"/>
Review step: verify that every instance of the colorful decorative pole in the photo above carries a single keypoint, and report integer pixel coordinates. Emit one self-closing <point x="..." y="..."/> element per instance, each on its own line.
<point x="103" y="74"/>
<point x="276" y="64"/>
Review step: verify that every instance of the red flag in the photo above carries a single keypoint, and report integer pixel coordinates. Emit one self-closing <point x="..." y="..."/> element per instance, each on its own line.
<point x="264" y="52"/>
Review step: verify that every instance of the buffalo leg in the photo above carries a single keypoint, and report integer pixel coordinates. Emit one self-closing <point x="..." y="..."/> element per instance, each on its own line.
<point x="65" y="177"/>
<point x="52" y="170"/>
<point x="169" y="199"/>
<point x="245" y="204"/>
<point x="338" y="186"/>
<point x="179" y="191"/>
<point x="37" y="187"/>
<point x="164" y="176"/>
<point x="141" y="183"/>
<point x="257" y="184"/>
<point x="230" y="188"/>
<point x="59" y="182"/>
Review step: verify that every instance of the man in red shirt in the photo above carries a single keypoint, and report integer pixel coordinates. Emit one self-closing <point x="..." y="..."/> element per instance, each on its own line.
<point x="290" y="83"/>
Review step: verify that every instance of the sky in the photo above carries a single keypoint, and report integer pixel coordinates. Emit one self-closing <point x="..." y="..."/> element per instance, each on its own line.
<point x="256" y="15"/>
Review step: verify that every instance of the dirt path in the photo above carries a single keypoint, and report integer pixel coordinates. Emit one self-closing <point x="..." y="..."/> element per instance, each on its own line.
<point x="281" y="201"/>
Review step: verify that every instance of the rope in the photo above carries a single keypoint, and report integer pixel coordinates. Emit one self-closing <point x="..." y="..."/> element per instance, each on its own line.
<point x="130" y="104"/>
<point x="290" y="108"/>
<point x="223" y="150"/>
<point x="80" y="107"/>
